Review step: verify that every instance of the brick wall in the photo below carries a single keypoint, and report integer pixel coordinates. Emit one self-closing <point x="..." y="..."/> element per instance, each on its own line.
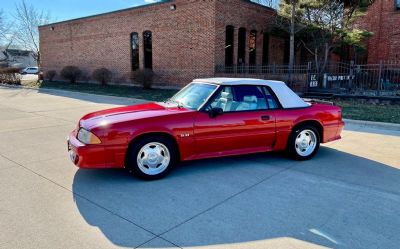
<point x="383" y="19"/>
<point x="187" y="42"/>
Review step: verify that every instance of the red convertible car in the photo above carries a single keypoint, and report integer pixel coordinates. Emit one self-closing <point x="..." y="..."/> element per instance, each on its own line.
<point x="208" y="118"/>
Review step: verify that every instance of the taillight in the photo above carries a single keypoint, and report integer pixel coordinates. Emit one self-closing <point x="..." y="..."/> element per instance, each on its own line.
<point x="340" y="114"/>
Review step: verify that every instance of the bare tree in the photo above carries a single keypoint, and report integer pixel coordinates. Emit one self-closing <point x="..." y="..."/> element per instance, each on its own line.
<point x="6" y="37"/>
<point x="6" y="31"/>
<point x="288" y="23"/>
<point x="2" y="26"/>
<point x="28" y="19"/>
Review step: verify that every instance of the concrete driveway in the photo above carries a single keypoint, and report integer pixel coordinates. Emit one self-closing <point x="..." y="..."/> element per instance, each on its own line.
<point x="348" y="196"/>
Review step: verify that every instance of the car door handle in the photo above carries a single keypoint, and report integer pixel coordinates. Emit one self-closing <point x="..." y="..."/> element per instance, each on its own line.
<point x="265" y="117"/>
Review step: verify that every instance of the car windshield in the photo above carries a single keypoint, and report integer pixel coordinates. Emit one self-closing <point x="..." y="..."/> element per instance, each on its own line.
<point x="193" y="95"/>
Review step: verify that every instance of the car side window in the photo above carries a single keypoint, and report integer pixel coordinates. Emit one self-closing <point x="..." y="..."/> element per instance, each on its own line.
<point x="271" y="101"/>
<point x="240" y="98"/>
<point x="223" y="99"/>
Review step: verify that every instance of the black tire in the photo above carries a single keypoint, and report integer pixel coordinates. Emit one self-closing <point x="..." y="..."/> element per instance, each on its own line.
<point x="131" y="162"/>
<point x="291" y="147"/>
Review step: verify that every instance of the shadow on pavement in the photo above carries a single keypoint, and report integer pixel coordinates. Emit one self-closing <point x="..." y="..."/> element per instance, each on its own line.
<point x="335" y="200"/>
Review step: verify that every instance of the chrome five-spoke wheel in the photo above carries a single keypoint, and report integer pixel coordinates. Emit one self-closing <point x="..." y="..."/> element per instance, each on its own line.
<point x="153" y="158"/>
<point x="306" y="142"/>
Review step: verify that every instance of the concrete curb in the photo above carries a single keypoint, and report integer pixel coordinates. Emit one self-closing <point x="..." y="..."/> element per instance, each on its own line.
<point x="371" y="124"/>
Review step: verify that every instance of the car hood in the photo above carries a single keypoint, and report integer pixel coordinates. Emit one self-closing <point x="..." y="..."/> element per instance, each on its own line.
<point x="126" y="113"/>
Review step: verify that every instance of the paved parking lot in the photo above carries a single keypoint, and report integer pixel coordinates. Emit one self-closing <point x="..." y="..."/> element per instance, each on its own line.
<point x="348" y="196"/>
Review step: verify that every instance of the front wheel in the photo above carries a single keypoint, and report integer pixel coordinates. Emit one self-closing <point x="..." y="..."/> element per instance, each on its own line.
<point x="151" y="158"/>
<point x="304" y="142"/>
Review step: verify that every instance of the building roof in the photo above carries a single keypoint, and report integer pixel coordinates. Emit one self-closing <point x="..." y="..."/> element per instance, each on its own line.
<point x="285" y="95"/>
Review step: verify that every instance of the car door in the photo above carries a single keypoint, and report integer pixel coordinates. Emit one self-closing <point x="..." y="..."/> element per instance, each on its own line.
<point x="245" y="125"/>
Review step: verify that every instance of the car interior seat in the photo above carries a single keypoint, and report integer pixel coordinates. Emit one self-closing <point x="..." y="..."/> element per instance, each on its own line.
<point x="225" y="101"/>
<point x="249" y="103"/>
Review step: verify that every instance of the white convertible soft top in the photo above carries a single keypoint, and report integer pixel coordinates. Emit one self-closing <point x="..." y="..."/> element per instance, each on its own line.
<point x="286" y="96"/>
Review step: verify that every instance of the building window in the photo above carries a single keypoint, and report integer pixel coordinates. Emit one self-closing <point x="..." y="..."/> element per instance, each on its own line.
<point x="230" y="32"/>
<point x="148" y="49"/>
<point x="398" y="4"/>
<point x="252" y="47"/>
<point x="241" y="46"/>
<point x="265" y="54"/>
<point x="135" y="50"/>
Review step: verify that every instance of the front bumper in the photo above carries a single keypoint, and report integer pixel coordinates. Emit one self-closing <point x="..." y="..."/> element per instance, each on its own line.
<point x="83" y="155"/>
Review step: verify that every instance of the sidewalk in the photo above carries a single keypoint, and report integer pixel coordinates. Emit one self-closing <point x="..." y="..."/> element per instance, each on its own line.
<point x="375" y="125"/>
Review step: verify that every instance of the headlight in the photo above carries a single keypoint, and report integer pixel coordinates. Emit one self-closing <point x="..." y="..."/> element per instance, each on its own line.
<point x="87" y="137"/>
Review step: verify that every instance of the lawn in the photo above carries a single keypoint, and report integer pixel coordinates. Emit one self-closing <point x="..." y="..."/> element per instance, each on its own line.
<point x="369" y="112"/>
<point x="351" y="109"/>
<point x="113" y="90"/>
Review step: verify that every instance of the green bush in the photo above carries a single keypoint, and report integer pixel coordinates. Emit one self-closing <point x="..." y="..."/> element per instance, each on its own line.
<point x="10" y="76"/>
<point x="49" y="75"/>
<point x="102" y="75"/>
<point x="71" y="73"/>
<point x="144" y="77"/>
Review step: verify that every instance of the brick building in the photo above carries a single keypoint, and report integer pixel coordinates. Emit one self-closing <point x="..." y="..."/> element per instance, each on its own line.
<point x="383" y="19"/>
<point x="179" y="40"/>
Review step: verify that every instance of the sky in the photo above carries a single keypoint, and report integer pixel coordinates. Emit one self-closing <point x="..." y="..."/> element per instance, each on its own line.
<point x="61" y="10"/>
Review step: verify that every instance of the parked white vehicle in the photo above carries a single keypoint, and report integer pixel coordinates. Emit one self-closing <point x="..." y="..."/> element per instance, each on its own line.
<point x="30" y="70"/>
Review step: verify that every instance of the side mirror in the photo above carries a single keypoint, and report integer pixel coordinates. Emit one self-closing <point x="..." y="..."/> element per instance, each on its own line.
<point x="215" y="112"/>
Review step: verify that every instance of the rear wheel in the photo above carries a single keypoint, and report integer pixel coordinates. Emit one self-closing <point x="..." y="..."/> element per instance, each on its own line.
<point x="304" y="142"/>
<point x="151" y="158"/>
